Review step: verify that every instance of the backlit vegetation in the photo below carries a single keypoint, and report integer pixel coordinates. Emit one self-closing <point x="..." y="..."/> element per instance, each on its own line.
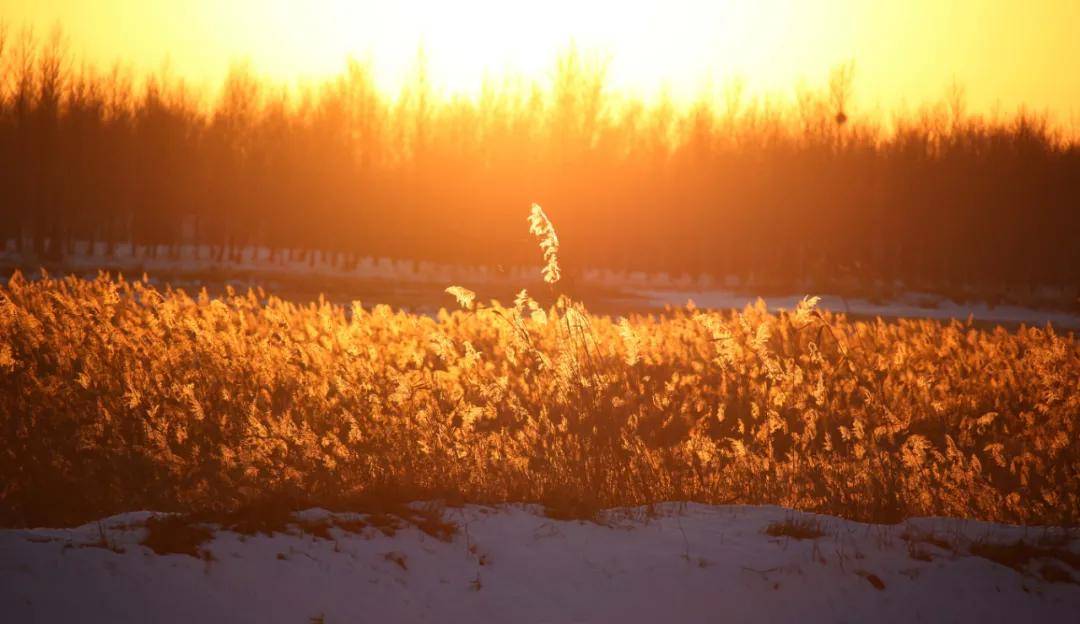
<point x="809" y="190"/>
<point x="117" y="396"/>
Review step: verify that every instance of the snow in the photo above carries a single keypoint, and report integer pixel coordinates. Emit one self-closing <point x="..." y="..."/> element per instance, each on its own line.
<point x="675" y="563"/>
<point x="633" y="289"/>
<point x="258" y="262"/>
<point x="911" y="305"/>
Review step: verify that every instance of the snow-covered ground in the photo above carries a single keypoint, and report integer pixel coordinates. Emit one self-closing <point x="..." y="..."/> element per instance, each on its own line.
<point x="911" y="305"/>
<point x="383" y="280"/>
<point x="258" y="261"/>
<point x="684" y="563"/>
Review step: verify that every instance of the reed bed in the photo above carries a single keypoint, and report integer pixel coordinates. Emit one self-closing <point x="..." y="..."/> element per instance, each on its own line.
<point x="115" y="395"/>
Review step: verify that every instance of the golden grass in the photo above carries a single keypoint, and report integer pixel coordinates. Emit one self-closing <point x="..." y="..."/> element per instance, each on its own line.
<point x="116" y="396"/>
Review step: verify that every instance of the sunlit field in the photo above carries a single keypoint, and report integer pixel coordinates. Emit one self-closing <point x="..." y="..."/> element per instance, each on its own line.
<point x="119" y="396"/>
<point x="637" y="312"/>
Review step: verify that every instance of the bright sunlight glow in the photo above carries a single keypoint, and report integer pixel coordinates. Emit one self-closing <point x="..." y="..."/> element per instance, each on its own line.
<point x="1005" y="53"/>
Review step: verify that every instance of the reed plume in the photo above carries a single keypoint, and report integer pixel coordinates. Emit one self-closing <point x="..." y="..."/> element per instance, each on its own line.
<point x="541" y="227"/>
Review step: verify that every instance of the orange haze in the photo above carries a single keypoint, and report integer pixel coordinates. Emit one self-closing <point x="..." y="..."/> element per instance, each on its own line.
<point x="1006" y="54"/>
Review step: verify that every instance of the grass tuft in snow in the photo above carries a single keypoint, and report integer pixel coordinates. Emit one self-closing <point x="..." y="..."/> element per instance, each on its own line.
<point x="796" y="528"/>
<point x="1019" y="555"/>
<point x="176" y="534"/>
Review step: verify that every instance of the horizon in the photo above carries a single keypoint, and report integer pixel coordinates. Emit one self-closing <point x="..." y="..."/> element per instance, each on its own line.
<point x="903" y="58"/>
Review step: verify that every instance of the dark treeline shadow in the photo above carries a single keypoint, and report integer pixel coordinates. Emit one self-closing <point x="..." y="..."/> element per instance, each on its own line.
<point x="802" y="193"/>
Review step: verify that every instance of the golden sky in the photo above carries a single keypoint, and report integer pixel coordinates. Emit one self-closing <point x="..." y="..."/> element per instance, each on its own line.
<point x="1005" y="52"/>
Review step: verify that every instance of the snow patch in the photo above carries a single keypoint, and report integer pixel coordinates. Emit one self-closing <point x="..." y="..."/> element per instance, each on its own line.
<point x="911" y="305"/>
<point x="674" y="563"/>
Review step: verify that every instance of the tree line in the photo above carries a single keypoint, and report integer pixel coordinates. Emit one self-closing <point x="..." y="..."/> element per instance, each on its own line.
<point x="784" y="190"/>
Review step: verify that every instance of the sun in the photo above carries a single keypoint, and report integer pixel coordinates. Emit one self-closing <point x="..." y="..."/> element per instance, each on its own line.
<point x="677" y="46"/>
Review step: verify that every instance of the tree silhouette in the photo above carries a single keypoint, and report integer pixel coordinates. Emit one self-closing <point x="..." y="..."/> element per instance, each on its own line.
<point x="808" y="193"/>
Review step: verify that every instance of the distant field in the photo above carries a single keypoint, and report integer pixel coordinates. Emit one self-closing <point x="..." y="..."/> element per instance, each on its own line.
<point x="300" y="276"/>
<point x="117" y="396"/>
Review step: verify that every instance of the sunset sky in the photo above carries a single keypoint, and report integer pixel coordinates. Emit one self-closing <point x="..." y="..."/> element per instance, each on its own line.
<point x="1006" y="53"/>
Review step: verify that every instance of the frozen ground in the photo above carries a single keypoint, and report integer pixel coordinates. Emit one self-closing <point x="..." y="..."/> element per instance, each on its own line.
<point x="683" y="563"/>
<point x="418" y="286"/>
<point x="912" y="305"/>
